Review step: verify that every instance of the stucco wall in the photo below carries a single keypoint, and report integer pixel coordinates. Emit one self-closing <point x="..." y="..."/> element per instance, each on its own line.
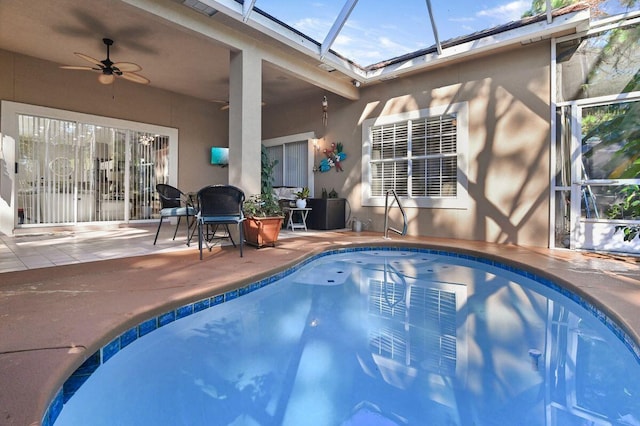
<point x="508" y="96"/>
<point x="200" y="124"/>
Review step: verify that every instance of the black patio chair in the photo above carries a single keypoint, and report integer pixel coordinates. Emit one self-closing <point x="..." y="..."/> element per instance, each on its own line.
<point x="219" y="205"/>
<point x="174" y="203"/>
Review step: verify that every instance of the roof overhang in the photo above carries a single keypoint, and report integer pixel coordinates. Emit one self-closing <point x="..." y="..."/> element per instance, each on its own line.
<point x="306" y="70"/>
<point x="272" y="27"/>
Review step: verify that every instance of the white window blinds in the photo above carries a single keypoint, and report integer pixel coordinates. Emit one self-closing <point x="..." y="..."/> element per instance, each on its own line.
<point x="419" y="154"/>
<point x="292" y="168"/>
<point x="417" y="158"/>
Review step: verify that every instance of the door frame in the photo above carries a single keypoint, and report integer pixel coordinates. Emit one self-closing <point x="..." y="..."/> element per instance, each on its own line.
<point x="9" y="137"/>
<point x="599" y="233"/>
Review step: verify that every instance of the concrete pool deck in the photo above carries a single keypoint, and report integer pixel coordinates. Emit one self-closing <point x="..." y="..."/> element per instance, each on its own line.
<point x="53" y="318"/>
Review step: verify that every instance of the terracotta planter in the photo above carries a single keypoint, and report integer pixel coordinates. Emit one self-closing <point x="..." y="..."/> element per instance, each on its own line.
<point x="262" y="231"/>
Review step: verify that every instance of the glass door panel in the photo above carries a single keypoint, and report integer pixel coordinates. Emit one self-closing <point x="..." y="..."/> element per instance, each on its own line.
<point x="149" y="166"/>
<point x="610" y="148"/>
<point x="70" y="172"/>
<point x="48" y="166"/>
<point x="608" y="174"/>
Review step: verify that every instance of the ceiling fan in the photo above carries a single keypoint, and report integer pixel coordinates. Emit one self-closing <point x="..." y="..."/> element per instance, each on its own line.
<point x="225" y="104"/>
<point x="108" y="69"/>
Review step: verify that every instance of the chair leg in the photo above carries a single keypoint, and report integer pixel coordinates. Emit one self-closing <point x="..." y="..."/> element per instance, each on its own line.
<point x="241" y="232"/>
<point x="211" y="231"/>
<point x="158" y="231"/>
<point x="200" y="238"/>
<point x="177" y="226"/>
<point x="229" y="234"/>
<point x="195" y="228"/>
<point x="188" y="229"/>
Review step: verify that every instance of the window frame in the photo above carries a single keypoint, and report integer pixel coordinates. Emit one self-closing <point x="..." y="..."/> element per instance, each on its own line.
<point x="461" y="200"/>
<point x="309" y="137"/>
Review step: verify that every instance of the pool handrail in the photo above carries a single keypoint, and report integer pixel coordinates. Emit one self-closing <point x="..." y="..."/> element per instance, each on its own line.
<point x="387" y="207"/>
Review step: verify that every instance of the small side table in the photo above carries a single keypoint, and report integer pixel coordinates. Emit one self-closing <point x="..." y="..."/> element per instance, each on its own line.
<point x="303" y="213"/>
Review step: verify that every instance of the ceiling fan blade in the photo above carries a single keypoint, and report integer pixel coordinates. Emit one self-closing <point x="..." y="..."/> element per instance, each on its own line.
<point x="136" y="78"/>
<point x="127" y="66"/>
<point x="226" y="105"/>
<point x="109" y="70"/>
<point x="106" y="78"/>
<point x="89" y="59"/>
<point x="73" y="67"/>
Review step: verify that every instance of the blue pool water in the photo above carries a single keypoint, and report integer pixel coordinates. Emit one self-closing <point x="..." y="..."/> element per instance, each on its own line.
<point x="374" y="338"/>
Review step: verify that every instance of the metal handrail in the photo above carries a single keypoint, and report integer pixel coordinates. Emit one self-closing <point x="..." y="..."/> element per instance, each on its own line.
<point x="387" y="206"/>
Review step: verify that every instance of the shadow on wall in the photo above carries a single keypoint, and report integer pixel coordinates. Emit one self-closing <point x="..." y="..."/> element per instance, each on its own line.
<point x="517" y="167"/>
<point x="508" y="180"/>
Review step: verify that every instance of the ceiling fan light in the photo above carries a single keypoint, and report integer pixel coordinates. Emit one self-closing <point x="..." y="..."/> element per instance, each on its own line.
<point x="106" y="78"/>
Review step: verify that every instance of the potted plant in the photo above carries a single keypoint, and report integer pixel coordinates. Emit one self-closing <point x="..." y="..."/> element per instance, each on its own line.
<point x="262" y="212"/>
<point x="301" y="197"/>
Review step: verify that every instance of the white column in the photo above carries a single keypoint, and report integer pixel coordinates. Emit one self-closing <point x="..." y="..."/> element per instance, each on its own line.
<point x="245" y="120"/>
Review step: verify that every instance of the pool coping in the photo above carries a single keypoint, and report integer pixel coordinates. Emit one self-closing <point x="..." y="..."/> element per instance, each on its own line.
<point x="545" y="264"/>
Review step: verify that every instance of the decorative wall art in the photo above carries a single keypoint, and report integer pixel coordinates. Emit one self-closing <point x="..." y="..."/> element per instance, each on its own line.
<point x="335" y="156"/>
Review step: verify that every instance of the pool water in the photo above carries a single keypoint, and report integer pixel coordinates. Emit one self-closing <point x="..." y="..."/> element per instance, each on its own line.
<point x="374" y="338"/>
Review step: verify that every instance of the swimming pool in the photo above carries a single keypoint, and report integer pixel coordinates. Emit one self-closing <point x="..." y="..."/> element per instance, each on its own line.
<point x="374" y="337"/>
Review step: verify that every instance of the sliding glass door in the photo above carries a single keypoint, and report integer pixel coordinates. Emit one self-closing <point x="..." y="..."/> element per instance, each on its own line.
<point x="71" y="172"/>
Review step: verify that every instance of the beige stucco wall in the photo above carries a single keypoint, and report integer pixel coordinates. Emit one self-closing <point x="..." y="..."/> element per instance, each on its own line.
<point x="200" y="124"/>
<point x="508" y="96"/>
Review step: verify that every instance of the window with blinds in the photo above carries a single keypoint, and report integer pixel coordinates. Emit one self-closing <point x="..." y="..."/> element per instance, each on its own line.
<point x="420" y="156"/>
<point x="292" y="167"/>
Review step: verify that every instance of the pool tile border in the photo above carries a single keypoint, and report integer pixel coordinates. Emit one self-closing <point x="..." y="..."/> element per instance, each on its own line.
<point x="73" y="383"/>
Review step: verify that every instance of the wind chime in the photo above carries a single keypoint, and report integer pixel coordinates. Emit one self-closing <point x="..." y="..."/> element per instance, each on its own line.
<point x="335" y="155"/>
<point x="325" y="111"/>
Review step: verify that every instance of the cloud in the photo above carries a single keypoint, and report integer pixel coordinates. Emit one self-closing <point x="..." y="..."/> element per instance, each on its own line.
<point x="343" y="41"/>
<point x="463" y="19"/>
<point x="363" y="44"/>
<point x="388" y="44"/>
<point x="313" y="27"/>
<point x="368" y="50"/>
<point x="507" y="12"/>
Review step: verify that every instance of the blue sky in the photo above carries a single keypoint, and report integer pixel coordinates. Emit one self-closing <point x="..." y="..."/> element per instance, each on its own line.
<point x="382" y="29"/>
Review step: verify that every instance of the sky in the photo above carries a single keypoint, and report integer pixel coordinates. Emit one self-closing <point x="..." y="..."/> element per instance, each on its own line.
<point x="378" y="30"/>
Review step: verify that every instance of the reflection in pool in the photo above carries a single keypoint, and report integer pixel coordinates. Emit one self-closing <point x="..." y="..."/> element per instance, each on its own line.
<point x="374" y="338"/>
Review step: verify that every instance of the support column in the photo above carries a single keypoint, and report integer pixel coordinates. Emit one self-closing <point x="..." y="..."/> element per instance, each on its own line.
<point x="245" y="120"/>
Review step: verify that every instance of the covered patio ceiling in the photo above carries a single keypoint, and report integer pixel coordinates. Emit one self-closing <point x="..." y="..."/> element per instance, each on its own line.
<point x="184" y="45"/>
